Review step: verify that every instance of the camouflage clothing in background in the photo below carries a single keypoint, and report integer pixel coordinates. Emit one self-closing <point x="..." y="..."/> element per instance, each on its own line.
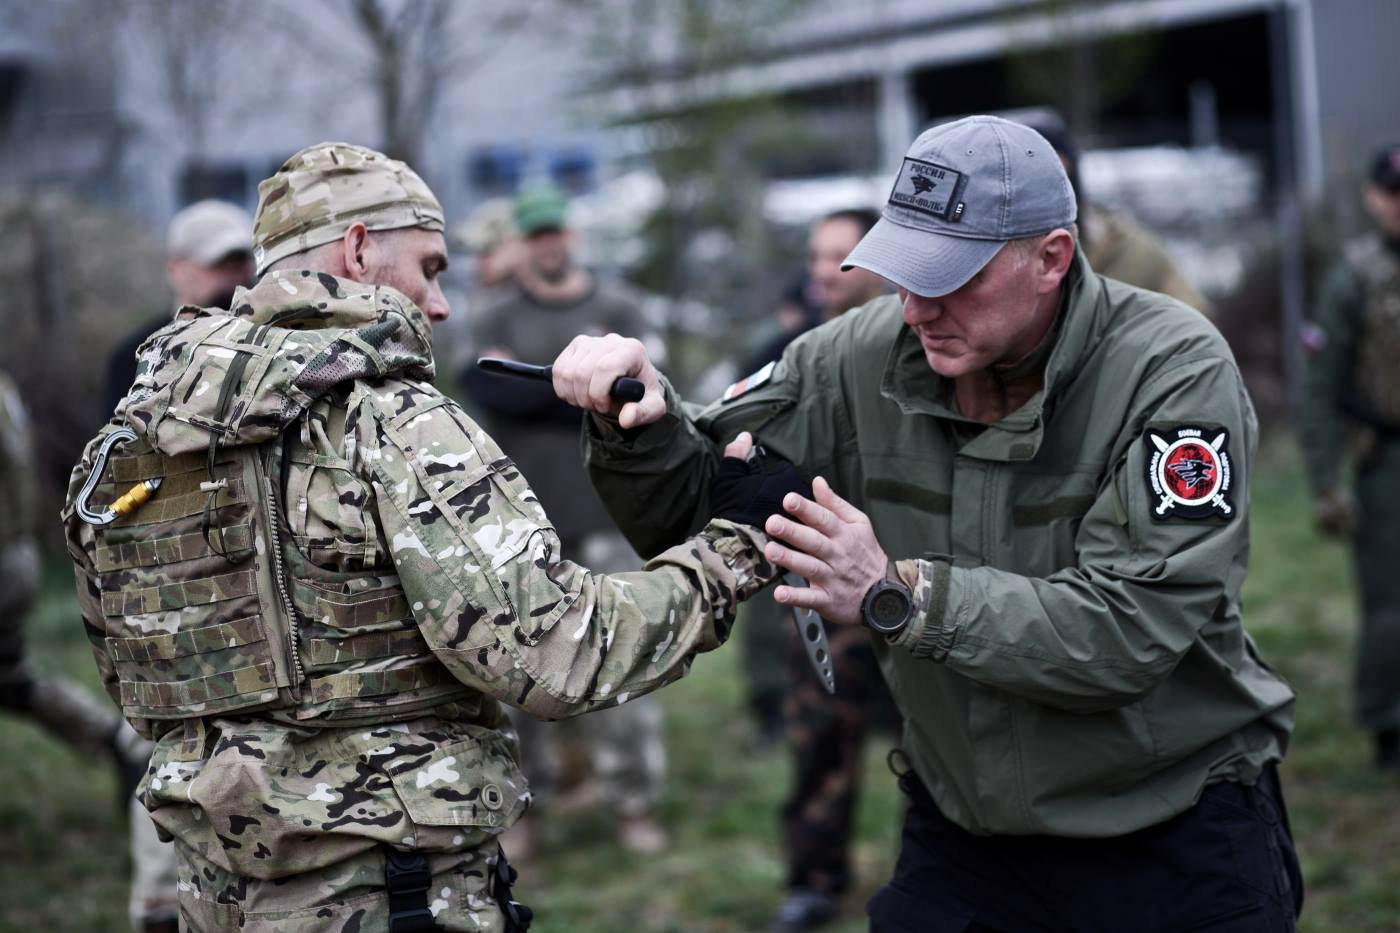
<point x="1120" y="249"/>
<point x="827" y="735"/>
<point x="427" y="583"/>
<point x="1349" y="412"/>
<point x="64" y="709"/>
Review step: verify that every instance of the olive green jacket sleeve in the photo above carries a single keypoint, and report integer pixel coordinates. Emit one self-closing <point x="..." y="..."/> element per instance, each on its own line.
<point x="1327" y="380"/>
<point x="1103" y="633"/>
<point x="499" y="605"/>
<point x="654" y="480"/>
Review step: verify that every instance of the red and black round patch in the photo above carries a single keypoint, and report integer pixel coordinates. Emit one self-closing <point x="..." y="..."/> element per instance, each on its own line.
<point x="1188" y="473"/>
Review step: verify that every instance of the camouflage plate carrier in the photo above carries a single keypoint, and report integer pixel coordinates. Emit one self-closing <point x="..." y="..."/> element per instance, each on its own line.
<point x="209" y="606"/>
<point x="1375" y="388"/>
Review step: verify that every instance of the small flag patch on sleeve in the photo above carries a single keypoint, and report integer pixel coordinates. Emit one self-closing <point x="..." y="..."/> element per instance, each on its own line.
<point x="749" y="383"/>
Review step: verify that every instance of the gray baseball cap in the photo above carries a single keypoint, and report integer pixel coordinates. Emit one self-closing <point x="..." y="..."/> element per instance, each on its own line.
<point x="964" y="189"/>
<point x="208" y="231"/>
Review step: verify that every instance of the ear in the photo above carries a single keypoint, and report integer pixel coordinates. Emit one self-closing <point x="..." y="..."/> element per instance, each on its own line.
<point x="357" y="251"/>
<point x="174" y="270"/>
<point x="1054" y="257"/>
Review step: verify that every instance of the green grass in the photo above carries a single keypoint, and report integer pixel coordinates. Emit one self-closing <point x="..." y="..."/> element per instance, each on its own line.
<point x="63" y="861"/>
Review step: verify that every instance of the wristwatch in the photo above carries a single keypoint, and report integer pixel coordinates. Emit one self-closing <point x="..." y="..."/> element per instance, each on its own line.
<point x="888" y="605"/>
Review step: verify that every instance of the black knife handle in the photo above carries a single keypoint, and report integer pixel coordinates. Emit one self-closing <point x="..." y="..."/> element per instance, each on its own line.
<point x="624" y="389"/>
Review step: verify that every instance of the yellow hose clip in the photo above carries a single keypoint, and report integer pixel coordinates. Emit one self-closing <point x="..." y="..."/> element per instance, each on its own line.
<point x="128" y="502"/>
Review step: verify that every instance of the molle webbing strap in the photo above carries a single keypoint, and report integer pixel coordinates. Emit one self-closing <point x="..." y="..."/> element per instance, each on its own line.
<point x="170" y="596"/>
<point x="163" y="646"/>
<point x="151" y="466"/>
<point x="366" y="647"/>
<point x="357" y="614"/>
<point x="201" y="690"/>
<point x="226" y="393"/>
<point x="379" y="683"/>
<point x="154" y="552"/>
<point x="162" y="509"/>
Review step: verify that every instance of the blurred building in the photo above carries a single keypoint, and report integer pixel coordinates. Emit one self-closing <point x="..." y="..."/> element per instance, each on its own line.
<point x="1302" y="88"/>
<point x="90" y="106"/>
<point x="1299" y="83"/>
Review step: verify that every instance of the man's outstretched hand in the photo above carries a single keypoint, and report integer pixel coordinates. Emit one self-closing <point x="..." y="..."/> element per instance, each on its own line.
<point x="831" y="543"/>
<point x="585" y="372"/>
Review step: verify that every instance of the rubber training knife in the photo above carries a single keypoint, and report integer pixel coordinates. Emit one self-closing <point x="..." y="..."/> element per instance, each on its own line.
<point x="624" y="389"/>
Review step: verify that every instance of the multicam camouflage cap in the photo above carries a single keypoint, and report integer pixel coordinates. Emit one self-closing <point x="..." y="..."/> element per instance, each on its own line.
<point x="490" y="225"/>
<point x="322" y="190"/>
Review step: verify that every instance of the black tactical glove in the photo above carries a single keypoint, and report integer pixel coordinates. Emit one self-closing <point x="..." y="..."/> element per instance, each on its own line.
<point x="748" y="491"/>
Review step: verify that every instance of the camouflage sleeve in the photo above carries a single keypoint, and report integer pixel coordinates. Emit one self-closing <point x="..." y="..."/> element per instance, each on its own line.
<point x="498" y="603"/>
<point x="1331" y="344"/>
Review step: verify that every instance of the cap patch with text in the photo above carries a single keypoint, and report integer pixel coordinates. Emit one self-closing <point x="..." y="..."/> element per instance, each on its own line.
<point x="749" y="383"/>
<point x="1188" y="473"/>
<point x="928" y="188"/>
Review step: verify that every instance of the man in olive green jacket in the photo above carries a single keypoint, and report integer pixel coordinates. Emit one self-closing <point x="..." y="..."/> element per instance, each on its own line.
<point x="1045" y="525"/>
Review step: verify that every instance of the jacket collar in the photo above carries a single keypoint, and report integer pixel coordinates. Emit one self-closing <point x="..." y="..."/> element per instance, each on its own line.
<point x="918" y="390"/>
<point x="303" y="300"/>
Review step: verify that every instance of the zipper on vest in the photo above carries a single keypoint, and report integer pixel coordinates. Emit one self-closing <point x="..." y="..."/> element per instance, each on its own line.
<point x="279" y="573"/>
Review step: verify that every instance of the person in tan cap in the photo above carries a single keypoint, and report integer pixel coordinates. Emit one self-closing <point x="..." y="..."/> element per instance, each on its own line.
<point x="313" y="580"/>
<point x="208" y="255"/>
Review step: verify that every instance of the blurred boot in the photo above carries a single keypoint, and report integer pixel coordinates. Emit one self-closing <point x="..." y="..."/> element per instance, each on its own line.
<point x="804" y="909"/>
<point x="1387" y="743"/>
<point x="643" y="835"/>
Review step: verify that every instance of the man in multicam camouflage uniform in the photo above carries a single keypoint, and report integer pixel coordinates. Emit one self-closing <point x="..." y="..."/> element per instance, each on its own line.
<point x="338" y="577"/>
<point x="1353" y="393"/>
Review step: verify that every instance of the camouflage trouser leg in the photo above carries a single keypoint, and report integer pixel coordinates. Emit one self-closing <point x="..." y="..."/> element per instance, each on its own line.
<point x="1377" y="552"/>
<point x="348" y="897"/>
<point x="827" y="733"/>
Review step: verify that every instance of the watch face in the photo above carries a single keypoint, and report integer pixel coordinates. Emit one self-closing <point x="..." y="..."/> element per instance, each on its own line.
<point x="888" y="608"/>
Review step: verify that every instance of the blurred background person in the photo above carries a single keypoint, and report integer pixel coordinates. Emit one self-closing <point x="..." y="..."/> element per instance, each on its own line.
<point x="1349" y="412"/>
<point x="490" y="236"/>
<point x="825" y="733"/>
<point x="208" y="255"/>
<point x="823" y="288"/>
<point x="1115" y="244"/>
<point x="492" y="244"/>
<point x="544" y="299"/>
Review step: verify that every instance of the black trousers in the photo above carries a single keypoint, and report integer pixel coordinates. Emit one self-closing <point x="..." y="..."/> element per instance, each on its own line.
<point x="1227" y="865"/>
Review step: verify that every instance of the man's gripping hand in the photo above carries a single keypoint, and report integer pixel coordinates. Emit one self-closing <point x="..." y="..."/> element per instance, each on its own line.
<point x="831" y="543"/>
<point x="750" y="486"/>
<point x="585" y="372"/>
